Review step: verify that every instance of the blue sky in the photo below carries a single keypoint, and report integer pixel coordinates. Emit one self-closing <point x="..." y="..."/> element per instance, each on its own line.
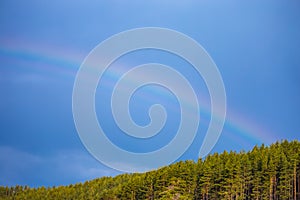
<point x="255" y="45"/>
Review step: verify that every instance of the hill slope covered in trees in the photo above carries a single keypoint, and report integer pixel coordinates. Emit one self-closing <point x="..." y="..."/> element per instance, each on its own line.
<point x="263" y="173"/>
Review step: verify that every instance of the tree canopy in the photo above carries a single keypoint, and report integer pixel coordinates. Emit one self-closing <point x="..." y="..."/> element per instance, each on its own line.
<point x="263" y="173"/>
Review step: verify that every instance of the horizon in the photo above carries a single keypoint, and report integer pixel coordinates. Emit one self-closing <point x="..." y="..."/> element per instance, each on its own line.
<point x="153" y="170"/>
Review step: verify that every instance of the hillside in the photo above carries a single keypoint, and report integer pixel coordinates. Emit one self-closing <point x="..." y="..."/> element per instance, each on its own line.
<point x="263" y="173"/>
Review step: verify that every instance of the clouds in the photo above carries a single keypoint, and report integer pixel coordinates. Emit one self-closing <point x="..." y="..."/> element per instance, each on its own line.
<point x="254" y="44"/>
<point x="14" y="164"/>
<point x="65" y="166"/>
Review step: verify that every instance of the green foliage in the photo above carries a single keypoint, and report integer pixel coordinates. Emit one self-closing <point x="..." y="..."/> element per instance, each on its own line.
<point x="263" y="173"/>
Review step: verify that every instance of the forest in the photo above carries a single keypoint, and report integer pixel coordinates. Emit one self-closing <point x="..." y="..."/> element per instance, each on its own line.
<point x="266" y="172"/>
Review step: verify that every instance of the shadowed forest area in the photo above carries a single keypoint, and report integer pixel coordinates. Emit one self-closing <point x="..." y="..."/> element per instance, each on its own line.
<point x="263" y="173"/>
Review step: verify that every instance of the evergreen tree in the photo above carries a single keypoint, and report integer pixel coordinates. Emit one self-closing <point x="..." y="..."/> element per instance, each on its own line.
<point x="264" y="173"/>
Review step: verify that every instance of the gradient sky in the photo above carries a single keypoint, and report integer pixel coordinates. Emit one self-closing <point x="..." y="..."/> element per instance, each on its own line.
<point x="255" y="45"/>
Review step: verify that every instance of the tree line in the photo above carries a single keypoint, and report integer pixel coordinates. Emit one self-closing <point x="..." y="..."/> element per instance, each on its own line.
<point x="266" y="172"/>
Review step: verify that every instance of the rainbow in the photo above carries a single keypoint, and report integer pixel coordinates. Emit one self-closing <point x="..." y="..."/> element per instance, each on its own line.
<point x="67" y="62"/>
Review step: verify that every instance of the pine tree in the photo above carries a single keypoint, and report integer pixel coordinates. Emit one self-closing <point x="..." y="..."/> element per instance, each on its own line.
<point x="264" y="173"/>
